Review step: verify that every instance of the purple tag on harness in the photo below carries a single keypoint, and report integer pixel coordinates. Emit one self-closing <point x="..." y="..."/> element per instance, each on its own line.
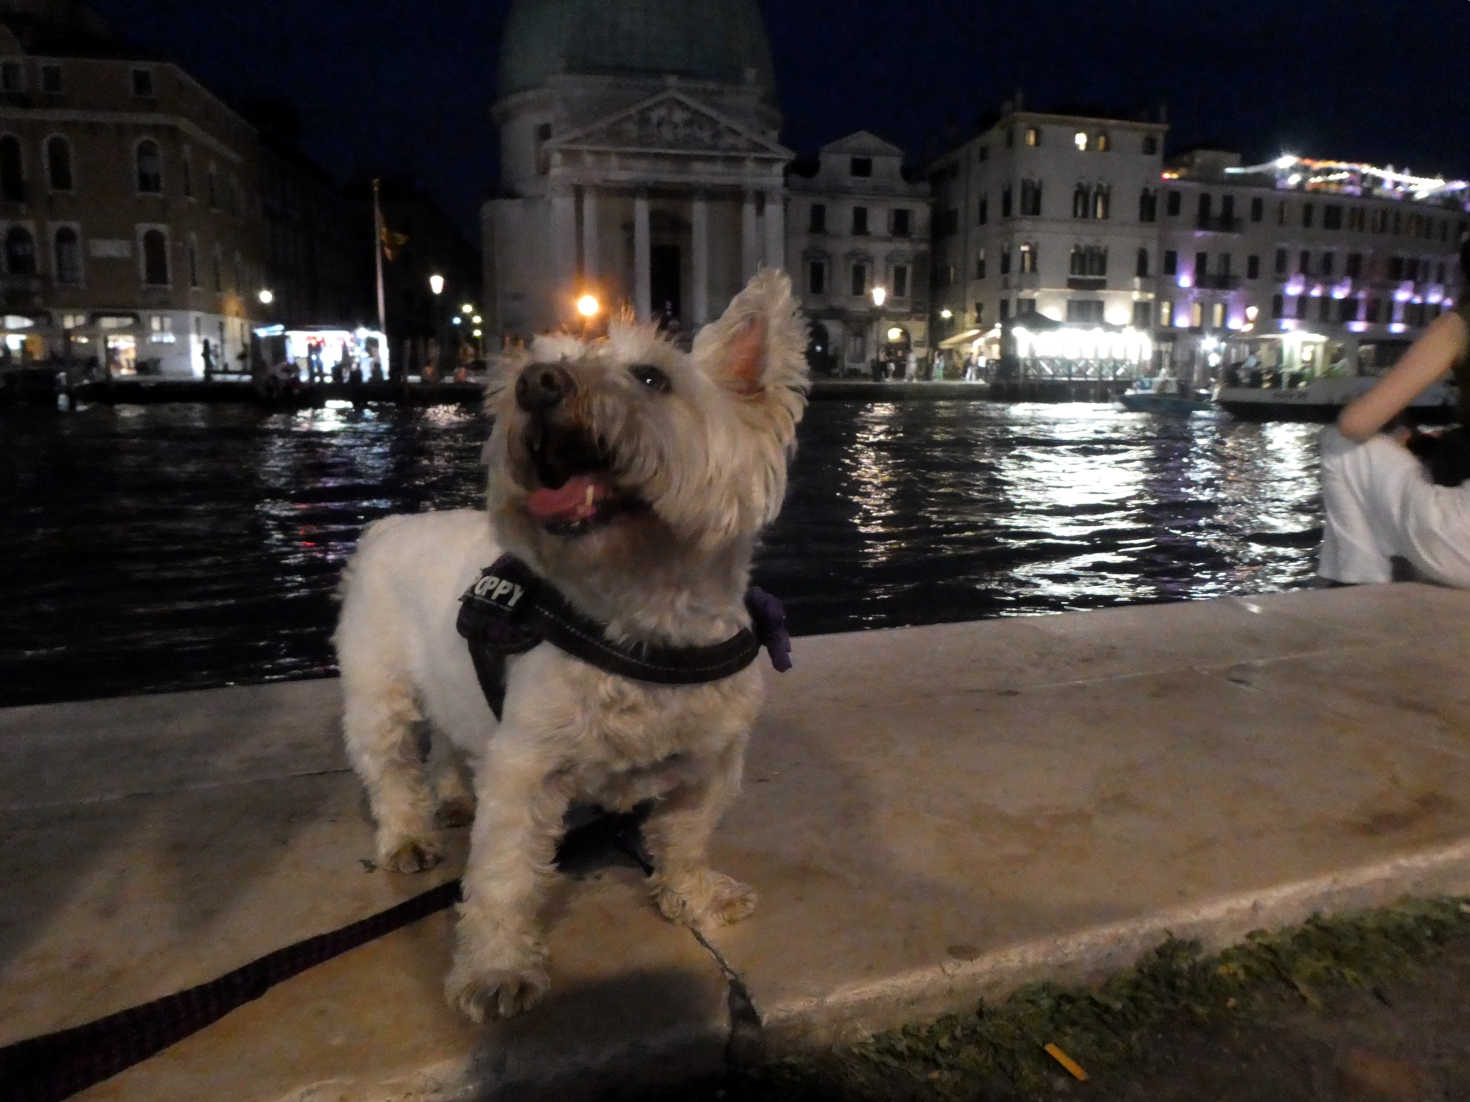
<point x="769" y="624"/>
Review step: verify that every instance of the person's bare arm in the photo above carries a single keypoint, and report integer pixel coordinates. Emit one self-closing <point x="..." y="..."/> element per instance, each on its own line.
<point x="1428" y="359"/>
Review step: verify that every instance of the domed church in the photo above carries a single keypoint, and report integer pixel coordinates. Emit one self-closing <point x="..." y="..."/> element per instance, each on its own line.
<point x="639" y="160"/>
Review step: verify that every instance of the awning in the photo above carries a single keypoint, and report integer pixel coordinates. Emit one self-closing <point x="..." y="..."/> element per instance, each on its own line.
<point x="959" y="338"/>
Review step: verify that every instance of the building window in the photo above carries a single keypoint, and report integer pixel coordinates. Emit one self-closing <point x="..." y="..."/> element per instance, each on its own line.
<point x="1252" y="267"/>
<point x="155" y="258"/>
<point x="1102" y="196"/>
<point x="20" y="251"/>
<point x="1033" y="136"/>
<point x="1031" y="198"/>
<point x="1172" y="201"/>
<point x="1166" y="311"/>
<point x="1089" y="261"/>
<point x="1327" y="264"/>
<point x="150" y="167"/>
<point x="51" y="79"/>
<point x="193" y="263"/>
<point x="1278" y="306"/>
<point x="900" y="222"/>
<point x="1005" y="309"/>
<point x="1084" y="309"/>
<point x="1150" y="145"/>
<point x="1079" y="140"/>
<point x="1101" y="144"/>
<point x="860" y="220"/>
<point x="1028" y="257"/>
<point x="1355" y="266"/>
<point x="142" y="82"/>
<point x="161" y="329"/>
<point x="860" y="166"/>
<point x="1257" y="209"/>
<point x="12" y="77"/>
<point x="1081" y="201"/>
<point x="1005" y="201"/>
<point x="12" y="178"/>
<point x="816" y="277"/>
<point x="1005" y="260"/>
<point x="859" y="279"/>
<point x="1304" y="263"/>
<point x="818" y="221"/>
<point x="219" y="283"/>
<point x="900" y="281"/>
<point x="186" y="175"/>
<point x="1201" y="266"/>
<point x="1010" y="137"/>
<point x="1196" y="315"/>
<point x="1217" y="316"/>
<point x="1148" y="205"/>
<point x="983" y="153"/>
<point x="1332" y="216"/>
<point x="1141" y="312"/>
<point x="980" y="264"/>
<point x="58" y="163"/>
<point x="68" y="249"/>
<point x="1301" y="306"/>
<point x="1281" y="262"/>
<point x="981" y="214"/>
<point x="1307" y="215"/>
<point x="1141" y="271"/>
<point x="1171" y="262"/>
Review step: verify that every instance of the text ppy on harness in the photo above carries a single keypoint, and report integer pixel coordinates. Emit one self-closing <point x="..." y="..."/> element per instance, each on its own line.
<point x="510" y="609"/>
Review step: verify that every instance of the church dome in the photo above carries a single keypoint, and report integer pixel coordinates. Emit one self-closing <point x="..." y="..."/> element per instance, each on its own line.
<point x="716" y="40"/>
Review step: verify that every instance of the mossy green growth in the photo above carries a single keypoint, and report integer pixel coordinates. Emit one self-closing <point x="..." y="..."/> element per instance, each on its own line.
<point x="997" y="1051"/>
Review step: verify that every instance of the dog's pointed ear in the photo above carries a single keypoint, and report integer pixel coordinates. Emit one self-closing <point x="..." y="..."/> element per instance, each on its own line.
<point x="759" y="342"/>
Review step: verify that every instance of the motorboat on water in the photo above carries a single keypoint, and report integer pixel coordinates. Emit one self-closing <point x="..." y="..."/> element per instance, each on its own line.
<point x="1164" y="394"/>
<point x="1268" y="396"/>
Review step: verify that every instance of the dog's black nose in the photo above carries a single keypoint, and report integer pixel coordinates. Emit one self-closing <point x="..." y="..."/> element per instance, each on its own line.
<point x="542" y="386"/>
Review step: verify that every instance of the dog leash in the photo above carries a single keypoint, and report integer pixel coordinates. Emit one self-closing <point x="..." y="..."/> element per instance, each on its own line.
<point x="56" y="1065"/>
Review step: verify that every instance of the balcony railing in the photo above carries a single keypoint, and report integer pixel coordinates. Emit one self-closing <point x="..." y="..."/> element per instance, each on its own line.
<point x="1218" y="223"/>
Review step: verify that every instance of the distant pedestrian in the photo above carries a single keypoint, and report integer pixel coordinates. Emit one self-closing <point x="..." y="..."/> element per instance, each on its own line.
<point x="911" y="366"/>
<point x="207" y="355"/>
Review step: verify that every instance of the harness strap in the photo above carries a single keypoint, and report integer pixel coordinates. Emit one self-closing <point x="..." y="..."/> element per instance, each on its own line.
<point x="509" y="609"/>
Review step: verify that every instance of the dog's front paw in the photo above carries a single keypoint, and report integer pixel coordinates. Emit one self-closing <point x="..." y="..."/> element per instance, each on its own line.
<point x="489" y="993"/>
<point x="408" y="854"/>
<point x="706" y="899"/>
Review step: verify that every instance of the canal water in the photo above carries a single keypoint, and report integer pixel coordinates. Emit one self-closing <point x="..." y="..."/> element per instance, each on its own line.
<point x="154" y="548"/>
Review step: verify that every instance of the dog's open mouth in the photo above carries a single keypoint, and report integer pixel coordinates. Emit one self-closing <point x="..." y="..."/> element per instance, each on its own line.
<point x="577" y="491"/>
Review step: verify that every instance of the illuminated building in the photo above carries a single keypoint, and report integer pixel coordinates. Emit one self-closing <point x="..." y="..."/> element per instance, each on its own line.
<point x="857" y="221"/>
<point x="638" y="160"/>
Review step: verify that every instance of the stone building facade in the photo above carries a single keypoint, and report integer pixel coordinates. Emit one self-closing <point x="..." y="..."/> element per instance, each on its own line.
<point x="856" y="223"/>
<point x="639" y="161"/>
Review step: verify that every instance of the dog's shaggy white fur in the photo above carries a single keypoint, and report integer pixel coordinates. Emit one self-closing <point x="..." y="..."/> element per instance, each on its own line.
<point x="634" y="477"/>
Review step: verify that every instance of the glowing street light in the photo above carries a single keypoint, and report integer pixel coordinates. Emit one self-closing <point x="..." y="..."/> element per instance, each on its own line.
<point x="880" y="295"/>
<point x="587" y="306"/>
<point x="266" y="296"/>
<point x="946" y="313"/>
<point x="467" y="308"/>
<point x="436" y="283"/>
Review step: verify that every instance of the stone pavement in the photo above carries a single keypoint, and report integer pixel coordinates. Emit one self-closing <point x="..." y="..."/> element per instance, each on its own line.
<point x="931" y="815"/>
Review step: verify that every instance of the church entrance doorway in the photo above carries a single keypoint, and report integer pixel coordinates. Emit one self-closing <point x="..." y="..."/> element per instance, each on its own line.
<point x="663" y="282"/>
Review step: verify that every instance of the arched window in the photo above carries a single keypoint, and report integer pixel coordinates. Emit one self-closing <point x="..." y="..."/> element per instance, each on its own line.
<point x="68" y="249"/>
<point x="12" y="178"/>
<point x="20" y="251"/>
<point x="1142" y="270"/>
<point x="155" y="258"/>
<point x="1081" y="201"/>
<point x="1028" y="257"/>
<point x="1148" y="205"/>
<point x="58" y="163"/>
<point x="1101" y="197"/>
<point x="150" y="167"/>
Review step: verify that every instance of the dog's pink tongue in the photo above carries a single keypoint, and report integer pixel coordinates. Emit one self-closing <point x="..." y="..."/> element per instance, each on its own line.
<point x="577" y="498"/>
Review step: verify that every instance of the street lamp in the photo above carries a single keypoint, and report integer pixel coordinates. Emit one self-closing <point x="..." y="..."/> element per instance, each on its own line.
<point x="266" y="296"/>
<point x="880" y="296"/>
<point x="436" y="284"/>
<point x="587" y="306"/>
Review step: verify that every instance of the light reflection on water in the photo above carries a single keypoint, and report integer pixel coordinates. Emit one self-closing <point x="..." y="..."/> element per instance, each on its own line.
<point x="179" y="546"/>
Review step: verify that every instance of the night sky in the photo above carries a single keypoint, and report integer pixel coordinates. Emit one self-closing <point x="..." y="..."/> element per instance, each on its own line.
<point x="392" y="86"/>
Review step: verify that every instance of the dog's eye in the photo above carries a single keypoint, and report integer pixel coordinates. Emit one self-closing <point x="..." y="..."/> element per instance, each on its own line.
<point x="651" y="377"/>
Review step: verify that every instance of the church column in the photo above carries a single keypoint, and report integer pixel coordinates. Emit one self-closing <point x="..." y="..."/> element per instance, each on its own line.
<point x="563" y="241"/>
<point x="589" y="234"/>
<point x="749" y="244"/>
<point x="699" y="232"/>
<point x="775" y="230"/>
<point x="642" y="289"/>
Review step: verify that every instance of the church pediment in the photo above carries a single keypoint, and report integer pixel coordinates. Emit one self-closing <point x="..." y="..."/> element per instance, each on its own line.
<point x="670" y="122"/>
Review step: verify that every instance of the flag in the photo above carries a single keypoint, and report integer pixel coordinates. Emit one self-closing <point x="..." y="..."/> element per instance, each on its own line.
<point x="392" y="242"/>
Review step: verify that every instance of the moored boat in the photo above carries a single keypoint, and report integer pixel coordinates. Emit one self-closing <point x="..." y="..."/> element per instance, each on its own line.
<point x="1163" y="394"/>
<point x="1321" y="398"/>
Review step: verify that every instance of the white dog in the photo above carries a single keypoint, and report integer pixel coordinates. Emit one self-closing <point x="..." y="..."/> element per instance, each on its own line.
<point x="630" y="480"/>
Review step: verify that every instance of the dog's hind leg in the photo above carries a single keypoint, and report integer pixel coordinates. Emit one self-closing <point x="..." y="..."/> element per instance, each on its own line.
<point x="379" y="721"/>
<point x="677" y="834"/>
<point x="453" y="788"/>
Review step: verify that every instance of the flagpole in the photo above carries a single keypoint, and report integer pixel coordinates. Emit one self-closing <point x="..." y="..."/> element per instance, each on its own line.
<point x="378" y="257"/>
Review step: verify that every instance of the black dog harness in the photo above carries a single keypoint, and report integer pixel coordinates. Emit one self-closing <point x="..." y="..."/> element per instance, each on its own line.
<point x="510" y="609"/>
